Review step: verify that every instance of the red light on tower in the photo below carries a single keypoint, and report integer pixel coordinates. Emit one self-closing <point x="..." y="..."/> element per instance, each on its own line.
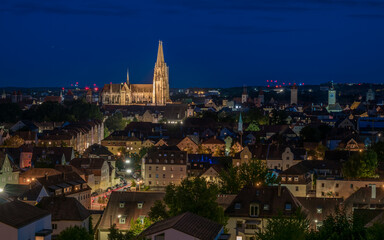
<point x="268" y="86"/>
<point x="86" y="88"/>
<point x="96" y="89"/>
<point x="94" y="84"/>
<point x="77" y="83"/>
<point x="289" y="83"/>
<point x="62" y="88"/>
<point x="280" y="86"/>
<point x="303" y="84"/>
<point x="275" y="80"/>
<point x="283" y="83"/>
<point x="267" y="80"/>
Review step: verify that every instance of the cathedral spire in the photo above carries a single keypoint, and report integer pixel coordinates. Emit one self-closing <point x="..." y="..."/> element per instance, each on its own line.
<point x="127" y="76"/>
<point x="160" y="54"/>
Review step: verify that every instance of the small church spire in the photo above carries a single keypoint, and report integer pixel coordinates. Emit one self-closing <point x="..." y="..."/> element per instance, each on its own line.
<point x="160" y="54"/>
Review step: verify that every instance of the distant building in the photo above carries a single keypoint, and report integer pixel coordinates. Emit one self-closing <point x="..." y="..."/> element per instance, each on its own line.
<point x="127" y="94"/>
<point x="370" y="95"/>
<point x="293" y="94"/>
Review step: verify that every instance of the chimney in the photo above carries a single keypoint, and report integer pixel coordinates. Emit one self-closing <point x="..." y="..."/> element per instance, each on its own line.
<point x="46" y="176"/>
<point x="373" y="190"/>
<point x="279" y="190"/>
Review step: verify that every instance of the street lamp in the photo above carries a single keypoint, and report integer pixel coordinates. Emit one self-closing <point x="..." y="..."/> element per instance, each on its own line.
<point x="128" y="161"/>
<point x="129" y="170"/>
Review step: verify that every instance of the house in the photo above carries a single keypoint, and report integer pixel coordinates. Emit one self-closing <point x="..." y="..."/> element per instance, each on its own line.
<point x="187" y="226"/>
<point x="189" y="145"/>
<point x="211" y="175"/>
<point x="298" y="179"/>
<point x="19" y="220"/>
<point x="9" y="172"/>
<point x="163" y="166"/>
<point x="100" y="169"/>
<point x="342" y="188"/>
<point x="120" y="139"/>
<point x="69" y="185"/>
<point x="32" y="174"/>
<point x="97" y="150"/>
<point x="51" y="156"/>
<point x="368" y="197"/>
<point x="31" y="194"/>
<point x="123" y="207"/>
<point x="253" y="206"/>
<point x="214" y="146"/>
<point x="318" y="209"/>
<point x="65" y="212"/>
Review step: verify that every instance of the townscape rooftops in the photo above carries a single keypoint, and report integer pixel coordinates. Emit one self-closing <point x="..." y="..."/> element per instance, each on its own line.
<point x="188" y="223"/>
<point x="64" y="208"/>
<point x="18" y="214"/>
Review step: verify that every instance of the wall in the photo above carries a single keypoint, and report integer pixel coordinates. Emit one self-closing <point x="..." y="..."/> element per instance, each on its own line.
<point x="62" y="225"/>
<point x="28" y="232"/>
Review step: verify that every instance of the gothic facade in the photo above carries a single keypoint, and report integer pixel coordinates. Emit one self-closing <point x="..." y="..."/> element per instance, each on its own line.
<point x="129" y="94"/>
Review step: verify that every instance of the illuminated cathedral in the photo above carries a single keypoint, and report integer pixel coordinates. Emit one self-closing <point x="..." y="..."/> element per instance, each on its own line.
<point x="125" y="93"/>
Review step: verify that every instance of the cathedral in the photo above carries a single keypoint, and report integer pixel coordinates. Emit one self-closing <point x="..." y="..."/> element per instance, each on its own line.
<point x="125" y="93"/>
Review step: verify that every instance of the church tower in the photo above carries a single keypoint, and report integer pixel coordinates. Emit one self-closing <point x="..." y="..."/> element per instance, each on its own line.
<point x="331" y="95"/>
<point x="160" y="79"/>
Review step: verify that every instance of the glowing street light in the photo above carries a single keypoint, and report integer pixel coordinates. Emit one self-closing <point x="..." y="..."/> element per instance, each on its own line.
<point x="129" y="170"/>
<point x="128" y="161"/>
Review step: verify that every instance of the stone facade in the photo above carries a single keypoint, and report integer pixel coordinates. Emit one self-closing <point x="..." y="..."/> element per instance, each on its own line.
<point x="128" y="94"/>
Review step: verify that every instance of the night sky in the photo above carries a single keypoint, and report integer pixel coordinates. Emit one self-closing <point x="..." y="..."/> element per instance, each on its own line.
<point x="217" y="43"/>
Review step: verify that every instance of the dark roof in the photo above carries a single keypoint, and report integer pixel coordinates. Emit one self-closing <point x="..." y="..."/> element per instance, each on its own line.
<point x="18" y="214"/>
<point x="64" y="208"/>
<point x="88" y="163"/>
<point x="188" y="223"/>
<point x="15" y="190"/>
<point x="98" y="150"/>
<point x="263" y="195"/>
<point x="130" y="209"/>
<point x="327" y="206"/>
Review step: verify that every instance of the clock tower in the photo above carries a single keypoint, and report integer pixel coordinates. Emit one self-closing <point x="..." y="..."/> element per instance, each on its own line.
<point x="331" y="95"/>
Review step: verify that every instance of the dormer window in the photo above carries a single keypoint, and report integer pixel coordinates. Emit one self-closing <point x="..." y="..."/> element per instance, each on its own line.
<point x="289" y="179"/>
<point x="122" y="219"/>
<point x="283" y="179"/>
<point x="266" y="207"/>
<point x="254" y="210"/>
<point x="122" y="204"/>
<point x="237" y="205"/>
<point x="139" y="205"/>
<point x="296" y="178"/>
<point x="319" y="210"/>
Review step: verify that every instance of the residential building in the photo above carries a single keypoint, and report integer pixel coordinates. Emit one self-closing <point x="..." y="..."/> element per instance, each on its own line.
<point x="119" y="140"/>
<point x="100" y="169"/>
<point x="163" y="166"/>
<point x="19" y="221"/>
<point x="123" y="207"/>
<point x="253" y="206"/>
<point x="66" y="212"/>
<point x="186" y="226"/>
<point x="9" y="172"/>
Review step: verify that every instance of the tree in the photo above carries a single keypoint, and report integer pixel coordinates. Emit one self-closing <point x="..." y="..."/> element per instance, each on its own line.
<point x="9" y="112"/>
<point x="158" y="211"/>
<point x="235" y="178"/>
<point x="138" y="225"/>
<point x="14" y="141"/>
<point x="75" y="233"/>
<point x="379" y="150"/>
<point x="253" y="127"/>
<point x="115" y="122"/>
<point x="196" y="196"/>
<point x="361" y="165"/>
<point x="340" y="226"/>
<point x="294" y="227"/>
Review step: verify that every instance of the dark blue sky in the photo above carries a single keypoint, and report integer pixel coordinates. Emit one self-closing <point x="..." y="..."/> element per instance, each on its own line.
<point x="216" y="43"/>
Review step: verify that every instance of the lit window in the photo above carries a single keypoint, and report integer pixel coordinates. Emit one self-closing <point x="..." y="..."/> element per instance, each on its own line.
<point x="319" y="210"/>
<point x="266" y="207"/>
<point x="254" y="210"/>
<point x="164" y="168"/>
<point x="288" y="207"/>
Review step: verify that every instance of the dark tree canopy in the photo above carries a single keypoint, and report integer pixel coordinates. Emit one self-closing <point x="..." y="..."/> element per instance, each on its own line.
<point x="75" y="233"/>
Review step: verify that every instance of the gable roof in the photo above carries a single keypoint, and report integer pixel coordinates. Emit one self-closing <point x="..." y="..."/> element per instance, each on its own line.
<point x="64" y="208"/>
<point x="188" y="223"/>
<point x="130" y="208"/>
<point x="18" y="214"/>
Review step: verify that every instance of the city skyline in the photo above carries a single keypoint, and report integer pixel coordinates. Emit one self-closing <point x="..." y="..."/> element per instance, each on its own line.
<point x="214" y="44"/>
